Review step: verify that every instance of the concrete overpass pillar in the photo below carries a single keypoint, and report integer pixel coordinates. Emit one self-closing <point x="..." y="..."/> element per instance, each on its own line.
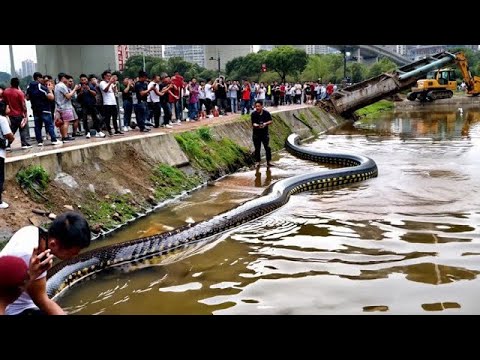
<point x="76" y="59"/>
<point x="359" y="56"/>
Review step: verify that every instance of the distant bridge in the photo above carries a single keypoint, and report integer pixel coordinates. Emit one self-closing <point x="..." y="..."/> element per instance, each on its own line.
<point x="372" y="51"/>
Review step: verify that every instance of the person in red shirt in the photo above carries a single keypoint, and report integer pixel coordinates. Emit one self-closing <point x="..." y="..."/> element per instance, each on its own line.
<point x="329" y="90"/>
<point x="15" y="99"/>
<point x="246" y="97"/>
<point x="179" y="83"/>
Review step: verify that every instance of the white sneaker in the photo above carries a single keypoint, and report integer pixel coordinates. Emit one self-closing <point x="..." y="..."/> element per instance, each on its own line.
<point x="169" y="126"/>
<point x="40" y="144"/>
<point x="4" y="205"/>
<point x="56" y="142"/>
<point x="88" y="135"/>
<point x="125" y="129"/>
<point x="100" y="135"/>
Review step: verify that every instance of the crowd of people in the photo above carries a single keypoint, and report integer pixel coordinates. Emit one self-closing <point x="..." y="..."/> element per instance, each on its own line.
<point x="61" y="103"/>
<point x="92" y="105"/>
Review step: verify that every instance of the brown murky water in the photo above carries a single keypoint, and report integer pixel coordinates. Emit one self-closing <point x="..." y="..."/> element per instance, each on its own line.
<point x="406" y="242"/>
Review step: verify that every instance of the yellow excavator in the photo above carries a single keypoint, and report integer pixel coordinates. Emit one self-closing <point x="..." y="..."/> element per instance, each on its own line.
<point x="441" y="83"/>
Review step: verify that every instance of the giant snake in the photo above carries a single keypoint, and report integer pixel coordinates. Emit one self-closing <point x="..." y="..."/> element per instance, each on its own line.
<point x="144" y="250"/>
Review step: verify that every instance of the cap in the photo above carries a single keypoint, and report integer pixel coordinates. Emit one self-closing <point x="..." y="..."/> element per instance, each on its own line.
<point x="13" y="271"/>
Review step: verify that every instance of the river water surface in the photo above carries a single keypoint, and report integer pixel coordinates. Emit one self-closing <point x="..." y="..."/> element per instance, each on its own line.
<point x="406" y="242"/>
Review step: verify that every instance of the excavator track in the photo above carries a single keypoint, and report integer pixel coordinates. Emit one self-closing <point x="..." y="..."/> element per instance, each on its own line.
<point x="439" y="94"/>
<point x="432" y="95"/>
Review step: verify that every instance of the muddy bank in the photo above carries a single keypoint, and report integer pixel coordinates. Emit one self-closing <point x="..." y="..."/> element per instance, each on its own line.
<point x="116" y="181"/>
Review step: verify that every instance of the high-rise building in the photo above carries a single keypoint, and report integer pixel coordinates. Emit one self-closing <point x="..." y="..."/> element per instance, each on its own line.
<point x="318" y="49"/>
<point x="28" y="67"/>
<point x="191" y="53"/>
<point x="20" y="73"/>
<point x="148" y="50"/>
<point x="266" y="47"/>
<point x="225" y="53"/>
<point x="401" y="49"/>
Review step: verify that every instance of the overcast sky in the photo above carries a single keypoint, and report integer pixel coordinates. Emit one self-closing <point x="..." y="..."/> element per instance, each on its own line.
<point x="24" y="52"/>
<point x="20" y="52"/>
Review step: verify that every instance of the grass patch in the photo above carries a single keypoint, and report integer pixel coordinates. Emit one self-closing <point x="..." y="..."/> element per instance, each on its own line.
<point x="116" y="209"/>
<point x="379" y="106"/>
<point x="245" y="117"/>
<point x="279" y="132"/>
<point x="169" y="181"/>
<point x="301" y="116"/>
<point x="313" y="111"/>
<point x="209" y="154"/>
<point x="34" y="179"/>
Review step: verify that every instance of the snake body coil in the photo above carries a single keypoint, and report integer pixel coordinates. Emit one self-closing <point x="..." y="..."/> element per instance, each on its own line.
<point x="356" y="168"/>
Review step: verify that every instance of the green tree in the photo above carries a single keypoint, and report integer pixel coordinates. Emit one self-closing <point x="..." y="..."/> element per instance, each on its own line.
<point x="25" y="81"/>
<point x="357" y="72"/>
<point x="135" y="63"/>
<point x="286" y="60"/>
<point x="178" y="64"/>
<point x="5" y="77"/>
<point x="327" y="67"/>
<point x="473" y="59"/>
<point x="249" y="66"/>
<point x="380" y="67"/>
<point x="207" y="74"/>
<point x="269" y="77"/>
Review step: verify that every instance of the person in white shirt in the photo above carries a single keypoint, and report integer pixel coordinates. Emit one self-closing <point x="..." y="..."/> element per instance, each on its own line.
<point x="108" y="89"/>
<point x="154" y="99"/>
<point x="6" y="138"/>
<point x="66" y="236"/>
<point x="209" y="97"/>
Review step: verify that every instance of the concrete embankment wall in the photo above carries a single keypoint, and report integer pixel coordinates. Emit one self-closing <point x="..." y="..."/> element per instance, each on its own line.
<point x="116" y="180"/>
<point x="163" y="148"/>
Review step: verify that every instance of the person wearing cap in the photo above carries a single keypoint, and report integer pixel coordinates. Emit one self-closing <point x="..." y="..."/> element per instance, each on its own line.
<point x="66" y="236"/>
<point x="15" y="275"/>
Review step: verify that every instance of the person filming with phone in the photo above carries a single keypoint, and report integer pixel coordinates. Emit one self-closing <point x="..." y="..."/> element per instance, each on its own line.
<point x="261" y="119"/>
<point x="66" y="236"/>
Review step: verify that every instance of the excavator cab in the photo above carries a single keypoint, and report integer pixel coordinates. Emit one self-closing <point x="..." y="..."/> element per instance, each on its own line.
<point x="438" y="84"/>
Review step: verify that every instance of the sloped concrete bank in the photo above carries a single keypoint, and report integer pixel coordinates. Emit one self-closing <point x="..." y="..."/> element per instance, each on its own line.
<point x="121" y="179"/>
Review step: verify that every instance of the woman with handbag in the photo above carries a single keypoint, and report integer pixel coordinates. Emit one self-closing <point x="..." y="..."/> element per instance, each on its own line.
<point x="6" y="138"/>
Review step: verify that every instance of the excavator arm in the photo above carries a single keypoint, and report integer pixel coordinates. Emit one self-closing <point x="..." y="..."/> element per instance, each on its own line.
<point x="462" y="63"/>
<point x="472" y="82"/>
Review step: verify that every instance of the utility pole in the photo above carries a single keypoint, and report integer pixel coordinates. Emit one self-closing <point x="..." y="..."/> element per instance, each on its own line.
<point x="218" y="62"/>
<point x="13" y="72"/>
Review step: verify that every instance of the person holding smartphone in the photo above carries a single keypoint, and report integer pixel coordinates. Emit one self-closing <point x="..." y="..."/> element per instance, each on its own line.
<point x="261" y="119"/>
<point x="66" y="236"/>
<point x="15" y="275"/>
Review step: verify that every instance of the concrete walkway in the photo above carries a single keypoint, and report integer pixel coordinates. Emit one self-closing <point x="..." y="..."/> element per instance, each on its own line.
<point x="18" y="153"/>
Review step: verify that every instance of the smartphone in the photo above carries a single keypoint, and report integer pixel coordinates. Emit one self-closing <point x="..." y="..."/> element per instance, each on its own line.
<point x="42" y="237"/>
